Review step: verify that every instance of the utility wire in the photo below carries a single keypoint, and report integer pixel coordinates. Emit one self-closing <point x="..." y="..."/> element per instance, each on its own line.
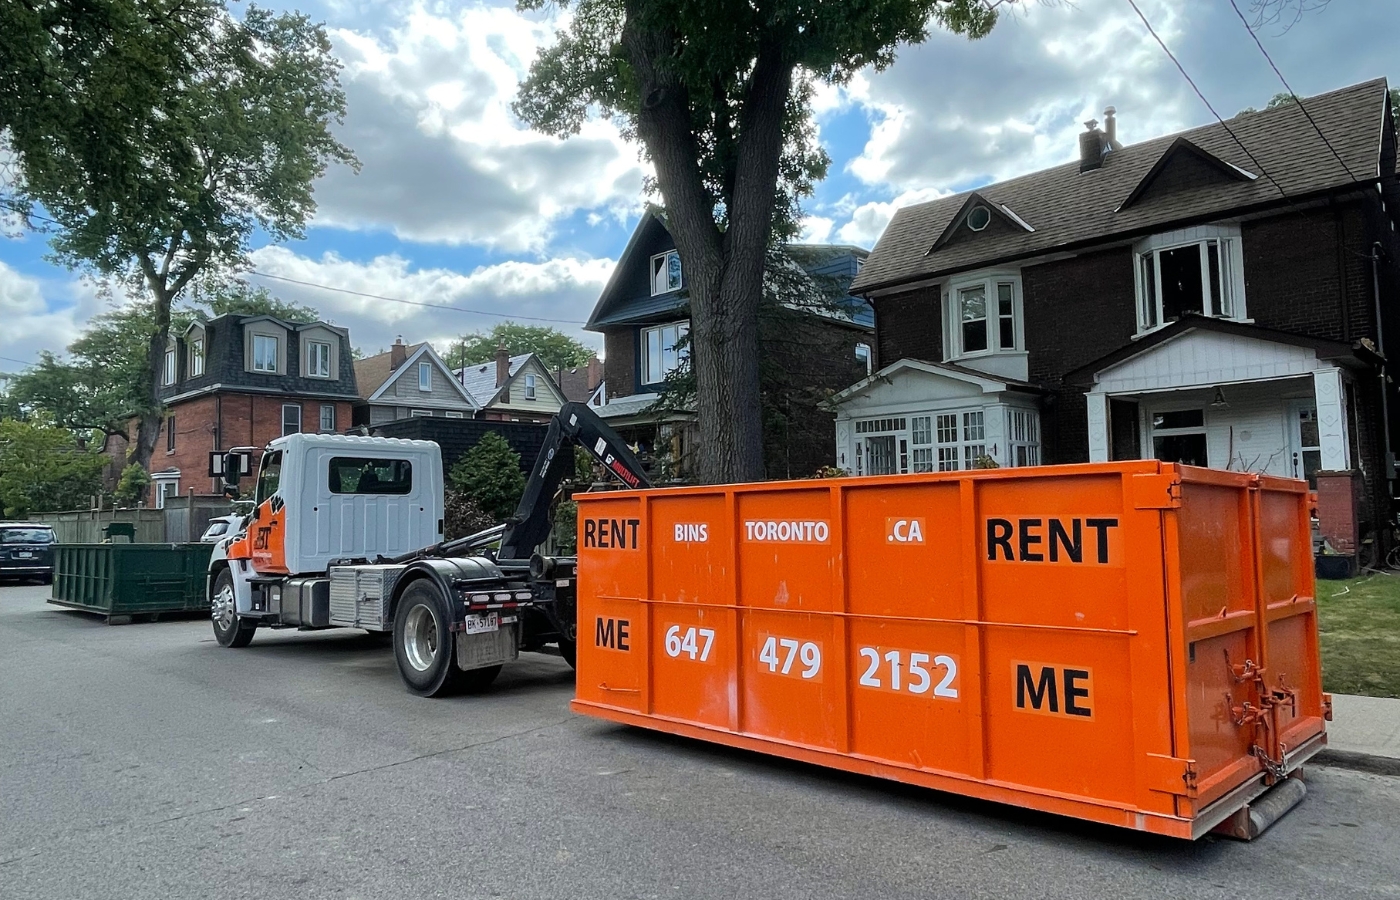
<point x="1292" y="93"/>
<point x="462" y="309"/>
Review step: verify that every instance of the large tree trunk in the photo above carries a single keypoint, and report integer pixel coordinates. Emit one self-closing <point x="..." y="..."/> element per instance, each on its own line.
<point x="150" y="418"/>
<point x="723" y="270"/>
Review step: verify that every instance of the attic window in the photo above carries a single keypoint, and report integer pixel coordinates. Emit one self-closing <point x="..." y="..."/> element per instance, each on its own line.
<point x="665" y="272"/>
<point x="978" y="218"/>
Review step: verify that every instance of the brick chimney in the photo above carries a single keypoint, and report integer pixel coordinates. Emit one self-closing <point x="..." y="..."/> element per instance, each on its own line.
<point x="398" y="354"/>
<point x="1091" y="147"/>
<point x="502" y="369"/>
<point x="595" y="372"/>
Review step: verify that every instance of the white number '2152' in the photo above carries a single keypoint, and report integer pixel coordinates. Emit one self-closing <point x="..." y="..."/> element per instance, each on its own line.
<point x="809" y="653"/>
<point x="918" y="681"/>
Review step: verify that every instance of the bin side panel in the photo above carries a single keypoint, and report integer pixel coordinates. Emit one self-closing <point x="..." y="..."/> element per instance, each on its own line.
<point x="693" y="664"/>
<point x="1215" y="562"/>
<point x="786" y="553"/>
<point x="787" y="690"/>
<point x="612" y="617"/>
<point x="904" y="550"/>
<point x="690" y="550"/>
<point x="1292" y="666"/>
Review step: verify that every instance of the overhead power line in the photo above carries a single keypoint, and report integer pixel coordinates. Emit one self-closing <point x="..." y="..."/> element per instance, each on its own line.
<point x="1292" y="93"/>
<point x="462" y="309"/>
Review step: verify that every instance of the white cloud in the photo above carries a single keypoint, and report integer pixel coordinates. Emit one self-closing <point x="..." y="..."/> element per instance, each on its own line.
<point x="444" y="158"/>
<point x="865" y="222"/>
<point x="562" y="289"/>
<point x="43" y="314"/>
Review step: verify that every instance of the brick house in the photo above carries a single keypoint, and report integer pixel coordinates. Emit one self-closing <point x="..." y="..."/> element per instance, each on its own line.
<point x="643" y="315"/>
<point x="239" y="380"/>
<point x="1183" y="298"/>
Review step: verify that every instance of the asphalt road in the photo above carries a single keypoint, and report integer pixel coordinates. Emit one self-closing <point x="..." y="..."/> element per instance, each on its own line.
<point x="145" y="761"/>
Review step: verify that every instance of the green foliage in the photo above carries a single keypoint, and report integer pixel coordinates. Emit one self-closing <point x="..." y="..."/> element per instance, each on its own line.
<point x="43" y="469"/>
<point x="131" y="488"/>
<point x="1284" y="98"/>
<point x="160" y="135"/>
<point x="554" y="348"/>
<point x="462" y="515"/>
<point x="489" y="474"/>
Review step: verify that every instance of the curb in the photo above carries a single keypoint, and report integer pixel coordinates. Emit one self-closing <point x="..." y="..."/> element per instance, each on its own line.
<point x="1359" y="762"/>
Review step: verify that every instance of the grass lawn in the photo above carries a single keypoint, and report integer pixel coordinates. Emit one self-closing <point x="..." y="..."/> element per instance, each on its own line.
<point x="1360" y="624"/>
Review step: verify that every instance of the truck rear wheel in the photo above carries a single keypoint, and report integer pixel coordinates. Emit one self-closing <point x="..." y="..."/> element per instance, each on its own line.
<point x="230" y="629"/>
<point x="423" y="642"/>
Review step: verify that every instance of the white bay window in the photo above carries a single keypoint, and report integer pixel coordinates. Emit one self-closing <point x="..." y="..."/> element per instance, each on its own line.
<point x="1195" y="270"/>
<point x="983" y="315"/>
<point x="947" y="440"/>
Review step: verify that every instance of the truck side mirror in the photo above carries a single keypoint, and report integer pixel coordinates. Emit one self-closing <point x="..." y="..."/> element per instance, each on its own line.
<point x="232" y="470"/>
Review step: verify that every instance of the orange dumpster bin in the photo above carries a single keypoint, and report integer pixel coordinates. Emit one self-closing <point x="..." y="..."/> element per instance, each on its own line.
<point x="1131" y="643"/>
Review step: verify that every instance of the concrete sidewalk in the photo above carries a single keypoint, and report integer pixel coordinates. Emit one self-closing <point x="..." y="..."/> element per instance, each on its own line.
<point x="1364" y="734"/>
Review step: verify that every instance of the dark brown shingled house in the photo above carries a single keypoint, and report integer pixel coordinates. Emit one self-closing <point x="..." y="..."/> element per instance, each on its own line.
<point x="1220" y="299"/>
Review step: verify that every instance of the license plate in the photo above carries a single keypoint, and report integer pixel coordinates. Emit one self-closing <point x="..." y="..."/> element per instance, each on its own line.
<point x="24" y="554"/>
<point x="483" y="624"/>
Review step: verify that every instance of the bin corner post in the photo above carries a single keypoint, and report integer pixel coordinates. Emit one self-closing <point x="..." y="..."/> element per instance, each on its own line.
<point x="841" y="623"/>
<point x="736" y="618"/>
<point x="647" y="607"/>
<point x="974" y="635"/>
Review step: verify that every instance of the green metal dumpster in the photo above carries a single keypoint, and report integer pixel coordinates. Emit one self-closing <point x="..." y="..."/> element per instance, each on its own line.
<point x="123" y="581"/>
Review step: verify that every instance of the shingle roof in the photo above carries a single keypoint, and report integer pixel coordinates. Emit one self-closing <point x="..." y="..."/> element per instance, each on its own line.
<point x="480" y="378"/>
<point x="1068" y="209"/>
<point x="372" y="371"/>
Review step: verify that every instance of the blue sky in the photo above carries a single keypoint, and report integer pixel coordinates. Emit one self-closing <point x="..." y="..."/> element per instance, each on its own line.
<point x="458" y="203"/>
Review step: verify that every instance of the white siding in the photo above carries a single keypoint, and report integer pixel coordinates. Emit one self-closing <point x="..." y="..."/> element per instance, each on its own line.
<point x="1206" y="358"/>
<point x="1251" y="434"/>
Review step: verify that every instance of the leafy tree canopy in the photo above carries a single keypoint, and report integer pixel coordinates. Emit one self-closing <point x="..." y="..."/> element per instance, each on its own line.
<point x="490" y="475"/>
<point x="43" y="469"/>
<point x="554" y="348"/>
<point x="157" y="136"/>
<point x="718" y="92"/>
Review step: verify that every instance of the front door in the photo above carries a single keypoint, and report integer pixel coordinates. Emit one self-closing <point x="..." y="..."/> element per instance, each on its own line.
<point x="879" y="455"/>
<point x="1305" y="443"/>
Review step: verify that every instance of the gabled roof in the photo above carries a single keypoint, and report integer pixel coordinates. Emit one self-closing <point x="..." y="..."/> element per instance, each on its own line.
<point x="975" y="199"/>
<point x="1356" y="353"/>
<point x="1179" y="149"/>
<point x="479" y="379"/>
<point x="1070" y="210"/>
<point x="989" y="384"/>
<point x="375" y="373"/>
<point x="610" y="301"/>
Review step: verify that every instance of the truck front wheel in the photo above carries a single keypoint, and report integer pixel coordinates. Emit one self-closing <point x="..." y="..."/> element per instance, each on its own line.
<point x="230" y="629"/>
<point x="423" y="641"/>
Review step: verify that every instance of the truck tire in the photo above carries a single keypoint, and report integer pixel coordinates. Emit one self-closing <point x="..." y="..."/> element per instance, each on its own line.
<point x="423" y="642"/>
<point x="230" y="629"/>
<point x="569" y="650"/>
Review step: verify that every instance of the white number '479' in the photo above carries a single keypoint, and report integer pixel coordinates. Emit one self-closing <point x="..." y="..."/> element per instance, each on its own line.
<point x="919" y="681"/>
<point x="809" y="653"/>
<point x="687" y="643"/>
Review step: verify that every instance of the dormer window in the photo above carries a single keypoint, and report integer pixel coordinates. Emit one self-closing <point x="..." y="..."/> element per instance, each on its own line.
<point x="170" y="367"/>
<point x="265" y="353"/>
<point x="318" y="359"/>
<point x="984" y="315"/>
<point x="1196" y="270"/>
<point x="665" y="272"/>
<point x="196" y="357"/>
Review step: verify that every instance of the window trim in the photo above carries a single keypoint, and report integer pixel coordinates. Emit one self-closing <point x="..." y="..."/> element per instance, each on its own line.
<point x="196" y="364"/>
<point x="325" y="429"/>
<point x="412" y="413"/>
<point x="988" y="279"/>
<point x="285" y="407"/>
<point x="530" y="386"/>
<point x="425" y="373"/>
<point x="276" y="354"/>
<point x="169" y="434"/>
<point x="652" y="272"/>
<point x="1231" y="262"/>
<point x="310" y="371"/>
<point x="1152" y="432"/>
<point x="682" y="327"/>
<point x="923" y="443"/>
<point x="170" y="368"/>
<point x="868" y="357"/>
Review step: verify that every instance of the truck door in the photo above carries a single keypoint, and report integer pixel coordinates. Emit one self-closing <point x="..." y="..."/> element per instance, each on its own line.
<point x="268" y="529"/>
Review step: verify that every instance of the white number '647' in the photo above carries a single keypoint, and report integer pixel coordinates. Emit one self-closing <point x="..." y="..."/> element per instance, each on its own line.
<point x="687" y="643"/>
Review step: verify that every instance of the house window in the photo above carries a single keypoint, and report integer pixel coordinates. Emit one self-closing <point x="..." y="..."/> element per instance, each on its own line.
<point x="420" y="412"/>
<point x="170" y="434"/>
<point x="264" y="353"/>
<point x="863" y="356"/>
<point x="921" y="438"/>
<point x="168" y="376"/>
<point x="974" y="433"/>
<point x="1180" y="436"/>
<point x="318" y="359"/>
<point x="425" y="376"/>
<point x="983" y="316"/>
<point x="661" y="354"/>
<point x="291" y="418"/>
<point x="1024" y="437"/>
<point x="196" y="357"/>
<point x="665" y="272"/>
<point x="529" y="387"/>
<point x="328" y="417"/>
<point x="1198" y="270"/>
<point x="454" y="415"/>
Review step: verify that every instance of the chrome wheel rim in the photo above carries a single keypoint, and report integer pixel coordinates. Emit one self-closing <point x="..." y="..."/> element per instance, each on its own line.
<point x="420" y="637"/>
<point x="223" y="607"/>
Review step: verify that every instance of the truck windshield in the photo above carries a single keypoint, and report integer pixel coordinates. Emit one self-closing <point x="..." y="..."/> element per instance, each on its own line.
<point x="359" y="475"/>
<point x="269" y="475"/>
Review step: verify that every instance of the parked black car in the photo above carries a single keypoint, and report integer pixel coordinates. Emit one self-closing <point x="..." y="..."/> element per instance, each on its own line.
<point x="26" y="551"/>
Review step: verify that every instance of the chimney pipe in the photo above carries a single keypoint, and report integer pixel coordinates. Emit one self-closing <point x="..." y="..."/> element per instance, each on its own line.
<point x="1091" y="147"/>
<point x="398" y="354"/>
<point x="1110" y="127"/>
<point x="502" y="364"/>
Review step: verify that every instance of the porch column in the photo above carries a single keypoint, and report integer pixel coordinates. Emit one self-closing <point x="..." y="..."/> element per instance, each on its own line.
<point x="1331" y="419"/>
<point x="1098" y="426"/>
